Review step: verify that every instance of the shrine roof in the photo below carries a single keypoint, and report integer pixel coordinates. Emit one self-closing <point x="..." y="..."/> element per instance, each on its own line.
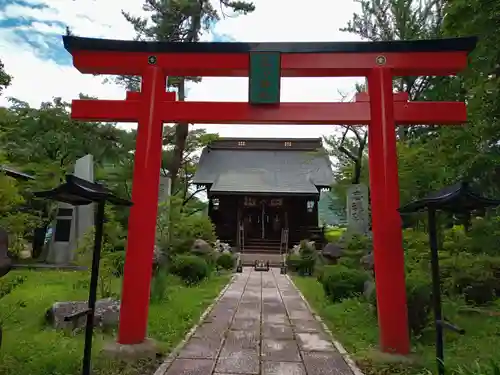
<point x="260" y="166"/>
<point x="73" y="43"/>
<point x="15" y="174"/>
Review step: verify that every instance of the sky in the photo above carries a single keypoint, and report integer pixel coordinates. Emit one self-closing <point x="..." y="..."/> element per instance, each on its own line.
<point x="32" y="52"/>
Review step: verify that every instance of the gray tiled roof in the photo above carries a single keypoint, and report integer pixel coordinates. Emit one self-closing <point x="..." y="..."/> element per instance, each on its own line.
<point x="264" y="171"/>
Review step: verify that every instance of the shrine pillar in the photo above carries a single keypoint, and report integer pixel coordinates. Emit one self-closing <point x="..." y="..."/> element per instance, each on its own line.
<point x="386" y="222"/>
<point x="142" y="219"/>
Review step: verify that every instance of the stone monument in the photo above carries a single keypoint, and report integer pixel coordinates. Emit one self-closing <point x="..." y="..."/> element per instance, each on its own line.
<point x="72" y="223"/>
<point x="357" y="209"/>
<point x="164" y="191"/>
<point x="163" y="196"/>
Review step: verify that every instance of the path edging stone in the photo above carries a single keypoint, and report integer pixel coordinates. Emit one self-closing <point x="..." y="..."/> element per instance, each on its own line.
<point x="340" y="348"/>
<point x="174" y="353"/>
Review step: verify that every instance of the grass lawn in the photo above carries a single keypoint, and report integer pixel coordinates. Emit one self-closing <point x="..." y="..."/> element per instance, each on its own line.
<point x="29" y="347"/>
<point x="353" y="323"/>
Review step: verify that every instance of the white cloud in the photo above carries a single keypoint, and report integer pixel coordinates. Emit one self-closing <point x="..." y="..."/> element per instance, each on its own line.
<point x="36" y="80"/>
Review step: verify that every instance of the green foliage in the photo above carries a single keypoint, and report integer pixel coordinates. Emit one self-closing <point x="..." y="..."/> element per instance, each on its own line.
<point x="32" y="349"/>
<point x="190" y="268"/>
<point x="159" y="286"/>
<point x="467" y="269"/>
<point x="340" y="282"/>
<point x="9" y="283"/>
<point x="112" y="252"/>
<point x="226" y="261"/>
<point x="305" y="262"/>
<point x="293" y="262"/>
<point x="117" y="262"/>
<point x="5" y="79"/>
<point x="185" y="228"/>
<point x="356" y="241"/>
<point x="16" y="222"/>
<point x="419" y="301"/>
<point x="334" y="234"/>
<point x="493" y="368"/>
<point x="476" y="277"/>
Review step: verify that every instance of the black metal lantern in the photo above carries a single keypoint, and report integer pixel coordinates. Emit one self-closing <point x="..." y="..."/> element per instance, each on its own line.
<point x="79" y="192"/>
<point x="458" y="199"/>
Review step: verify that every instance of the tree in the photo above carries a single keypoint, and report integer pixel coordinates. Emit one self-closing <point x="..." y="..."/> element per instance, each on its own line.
<point x="5" y="79"/>
<point x="388" y="20"/>
<point x="45" y="142"/>
<point x="196" y="140"/>
<point x="349" y="149"/>
<point x="480" y="86"/>
<point x="179" y="21"/>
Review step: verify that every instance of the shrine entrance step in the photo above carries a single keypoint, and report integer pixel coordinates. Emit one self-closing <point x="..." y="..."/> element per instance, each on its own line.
<point x="250" y="259"/>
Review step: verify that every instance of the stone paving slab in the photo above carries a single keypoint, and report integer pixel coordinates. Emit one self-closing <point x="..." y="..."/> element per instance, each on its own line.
<point x="259" y="326"/>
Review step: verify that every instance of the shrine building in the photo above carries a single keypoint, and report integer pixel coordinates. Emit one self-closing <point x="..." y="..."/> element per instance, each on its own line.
<point x="259" y="188"/>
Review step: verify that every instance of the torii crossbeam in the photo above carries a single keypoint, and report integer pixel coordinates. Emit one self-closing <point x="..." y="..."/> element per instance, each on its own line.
<point x="153" y="106"/>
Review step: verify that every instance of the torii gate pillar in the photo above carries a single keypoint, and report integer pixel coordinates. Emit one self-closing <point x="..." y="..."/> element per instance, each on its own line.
<point x="386" y="222"/>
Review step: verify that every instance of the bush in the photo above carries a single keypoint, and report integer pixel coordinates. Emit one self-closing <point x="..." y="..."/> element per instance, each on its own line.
<point x="117" y="262"/>
<point x="190" y="268"/>
<point x="418" y="300"/>
<point x="186" y="228"/>
<point x="302" y="264"/>
<point x="356" y="241"/>
<point x="333" y="234"/>
<point x="226" y="261"/>
<point x="9" y="283"/>
<point x="340" y="282"/>
<point x="476" y="277"/>
<point x="293" y="262"/>
<point x="159" y="284"/>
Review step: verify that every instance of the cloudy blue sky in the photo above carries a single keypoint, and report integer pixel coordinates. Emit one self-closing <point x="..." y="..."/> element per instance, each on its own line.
<point x="31" y="49"/>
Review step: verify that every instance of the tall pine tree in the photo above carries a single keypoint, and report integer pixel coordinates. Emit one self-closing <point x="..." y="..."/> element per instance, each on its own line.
<point x="179" y="21"/>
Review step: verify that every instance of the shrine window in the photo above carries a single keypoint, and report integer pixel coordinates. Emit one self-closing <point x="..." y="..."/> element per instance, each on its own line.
<point x="241" y="143"/>
<point x="215" y="203"/>
<point x="288" y="144"/>
<point x="310" y="206"/>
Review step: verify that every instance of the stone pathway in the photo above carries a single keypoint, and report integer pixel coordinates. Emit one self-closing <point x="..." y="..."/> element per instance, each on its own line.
<point x="260" y="325"/>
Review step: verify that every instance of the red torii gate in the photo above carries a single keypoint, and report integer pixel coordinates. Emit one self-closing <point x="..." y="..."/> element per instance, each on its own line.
<point x="153" y="106"/>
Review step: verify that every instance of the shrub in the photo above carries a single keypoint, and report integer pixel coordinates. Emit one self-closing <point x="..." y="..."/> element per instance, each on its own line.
<point x="226" y="261"/>
<point x="418" y="299"/>
<point x="190" y="268"/>
<point x="293" y="262"/>
<point x="306" y="265"/>
<point x="302" y="264"/>
<point x="356" y="241"/>
<point x="186" y="228"/>
<point x="340" y="282"/>
<point x="117" y="262"/>
<point x="9" y="283"/>
<point x="159" y="285"/>
<point x="333" y="234"/>
<point x="476" y="277"/>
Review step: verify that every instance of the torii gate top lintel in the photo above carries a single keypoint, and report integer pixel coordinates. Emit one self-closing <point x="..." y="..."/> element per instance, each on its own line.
<point x="298" y="59"/>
